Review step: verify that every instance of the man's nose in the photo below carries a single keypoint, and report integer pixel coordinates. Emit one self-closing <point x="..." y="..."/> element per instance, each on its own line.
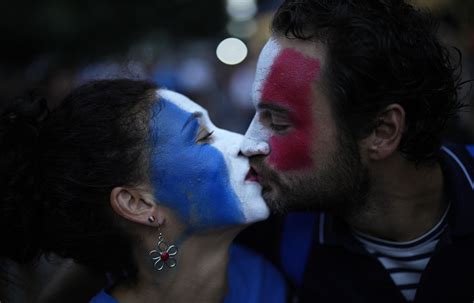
<point x="251" y="147"/>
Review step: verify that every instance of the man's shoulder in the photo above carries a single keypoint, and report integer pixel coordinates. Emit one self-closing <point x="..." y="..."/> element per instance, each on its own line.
<point x="464" y="153"/>
<point x="470" y="149"/>
<point x="458" y="168"/>
<point x="458" y="162"/>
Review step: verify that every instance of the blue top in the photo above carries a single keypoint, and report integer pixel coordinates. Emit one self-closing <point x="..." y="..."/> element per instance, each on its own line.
<point x="251" y="278"/>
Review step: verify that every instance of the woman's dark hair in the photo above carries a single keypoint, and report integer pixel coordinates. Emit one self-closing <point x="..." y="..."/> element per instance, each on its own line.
<point x="58" y="173"/>
<point x="379" y="53"/>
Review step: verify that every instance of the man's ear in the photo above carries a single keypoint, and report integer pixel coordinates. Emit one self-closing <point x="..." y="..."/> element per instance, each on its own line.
<point x="136" y="205"/>
<point x="387" y="134"/>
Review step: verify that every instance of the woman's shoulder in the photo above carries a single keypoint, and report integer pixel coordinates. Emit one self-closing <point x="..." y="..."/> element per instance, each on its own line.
<point x="103" y="297"/>
<point x="252" y="278"/>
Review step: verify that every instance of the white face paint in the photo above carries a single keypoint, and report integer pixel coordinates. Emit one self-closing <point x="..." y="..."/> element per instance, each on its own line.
<point x="269" y="53"/>
<point x="221" y="196"/>
<point x="257" y="135"/>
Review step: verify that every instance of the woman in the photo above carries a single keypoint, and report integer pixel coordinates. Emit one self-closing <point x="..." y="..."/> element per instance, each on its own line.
<point x="137" y="183"/>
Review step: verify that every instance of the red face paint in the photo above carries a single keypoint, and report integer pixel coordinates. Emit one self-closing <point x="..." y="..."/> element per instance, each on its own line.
<point x="289" y="85"/>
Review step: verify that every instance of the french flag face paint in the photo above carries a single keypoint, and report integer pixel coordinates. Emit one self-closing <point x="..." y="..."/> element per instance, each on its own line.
<point x="204" y="183"/>
<point x="283" y="96"/>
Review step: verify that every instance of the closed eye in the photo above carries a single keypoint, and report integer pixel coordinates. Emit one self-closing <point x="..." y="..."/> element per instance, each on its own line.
<point x="279" y="127"/>
<point x="277" y="122"/>
<point x="204" y="135"/>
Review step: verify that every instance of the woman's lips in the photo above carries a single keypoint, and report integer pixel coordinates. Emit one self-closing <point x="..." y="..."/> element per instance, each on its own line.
<point x="252" y="176"/>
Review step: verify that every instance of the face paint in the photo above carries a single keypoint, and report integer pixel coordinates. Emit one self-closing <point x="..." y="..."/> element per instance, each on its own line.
<point x="289" y="85"/>
<point x="284" y="78"/>
<point x="203" y="183"/>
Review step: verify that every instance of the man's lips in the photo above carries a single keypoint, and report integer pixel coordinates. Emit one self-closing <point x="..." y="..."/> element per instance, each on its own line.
<point x="252" y="176"/>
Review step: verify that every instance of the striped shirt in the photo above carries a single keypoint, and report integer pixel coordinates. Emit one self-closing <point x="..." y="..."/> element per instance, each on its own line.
<point x="405" y="261"/>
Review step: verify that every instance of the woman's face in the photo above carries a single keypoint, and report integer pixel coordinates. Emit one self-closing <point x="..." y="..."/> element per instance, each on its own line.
<point x="196" y="169"/>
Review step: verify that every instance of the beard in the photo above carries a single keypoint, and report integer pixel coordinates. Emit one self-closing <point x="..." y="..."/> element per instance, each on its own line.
<point x="339" y="186"/>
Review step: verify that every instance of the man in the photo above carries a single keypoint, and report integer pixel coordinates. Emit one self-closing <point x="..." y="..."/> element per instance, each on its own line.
<point x="351" y="100"/>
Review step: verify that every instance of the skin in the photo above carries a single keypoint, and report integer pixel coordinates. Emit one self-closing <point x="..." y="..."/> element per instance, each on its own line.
<point x="294" y="128"/>
<point x="203" y="179"/>
<point x="283" y="87"/>
<point x="288" y="87"/>
<point x="188" y="210"/>
<point x="366" y="181"/>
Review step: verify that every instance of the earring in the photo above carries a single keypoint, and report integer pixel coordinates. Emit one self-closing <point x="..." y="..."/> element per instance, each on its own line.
<point x="151" y="219"/>
<point x="163" y="254"/>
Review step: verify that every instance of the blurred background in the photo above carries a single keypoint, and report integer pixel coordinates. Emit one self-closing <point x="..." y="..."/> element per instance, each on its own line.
<point x="205" y="49"/>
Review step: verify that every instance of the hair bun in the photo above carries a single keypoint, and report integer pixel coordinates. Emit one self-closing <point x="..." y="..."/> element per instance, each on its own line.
<point x="32" y="109"/>
<point x="20" y="208"/>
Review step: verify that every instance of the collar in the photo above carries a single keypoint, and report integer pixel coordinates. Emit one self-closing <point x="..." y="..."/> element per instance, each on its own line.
<point x="334" y="231"/>
<point x="458" y="171"/>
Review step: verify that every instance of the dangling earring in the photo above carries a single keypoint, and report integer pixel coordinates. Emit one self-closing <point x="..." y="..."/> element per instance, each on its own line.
<point x="164" y="253"/>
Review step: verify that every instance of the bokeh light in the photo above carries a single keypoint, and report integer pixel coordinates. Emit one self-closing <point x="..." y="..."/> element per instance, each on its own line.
<point x="241" y="10"/>
<point x="232" y="51"/>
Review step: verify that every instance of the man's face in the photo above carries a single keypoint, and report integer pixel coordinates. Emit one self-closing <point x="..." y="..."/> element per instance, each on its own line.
<point x="298" y="154"/>
<point x="196" y="168"/>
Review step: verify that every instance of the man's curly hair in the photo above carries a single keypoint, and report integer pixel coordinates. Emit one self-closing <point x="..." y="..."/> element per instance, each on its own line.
<point x="379" y="53"/>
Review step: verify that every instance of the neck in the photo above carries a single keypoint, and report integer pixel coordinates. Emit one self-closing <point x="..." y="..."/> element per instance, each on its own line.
<point x="402" y="204"/>
<point x="199" y="276"/>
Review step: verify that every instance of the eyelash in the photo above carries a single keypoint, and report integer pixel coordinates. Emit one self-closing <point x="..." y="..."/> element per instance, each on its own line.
<point x="204" y="138"/>
<point x="278" y="128"/>
<point x="273" y="126"/>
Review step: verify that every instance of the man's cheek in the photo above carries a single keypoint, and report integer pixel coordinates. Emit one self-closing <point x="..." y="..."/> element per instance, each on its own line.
<point x="290" y="152"/>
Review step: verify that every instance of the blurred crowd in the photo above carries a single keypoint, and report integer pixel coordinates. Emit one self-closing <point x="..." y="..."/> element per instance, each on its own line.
<point x="187" y="62"/>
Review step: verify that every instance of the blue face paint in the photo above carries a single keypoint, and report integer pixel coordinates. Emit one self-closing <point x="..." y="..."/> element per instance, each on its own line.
<point x="188" y="177"/>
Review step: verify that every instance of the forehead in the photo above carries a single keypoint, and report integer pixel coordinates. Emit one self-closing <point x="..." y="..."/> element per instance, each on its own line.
<point x="276" y="44"/>
<point x="181" y="101"/>
<point x="289" y="56"/>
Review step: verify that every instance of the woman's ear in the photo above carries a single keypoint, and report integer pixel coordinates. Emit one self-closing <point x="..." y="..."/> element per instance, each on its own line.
<point x="136" y="205"/>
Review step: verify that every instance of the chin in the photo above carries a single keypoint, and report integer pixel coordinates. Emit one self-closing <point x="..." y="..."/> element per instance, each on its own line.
<point x="275" y="201"/>
<point x="257" y="215"/>
<point x="256" y="210"/>
<point x="253" y="206"/>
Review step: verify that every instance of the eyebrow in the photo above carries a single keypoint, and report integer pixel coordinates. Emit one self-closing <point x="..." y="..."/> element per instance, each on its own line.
<point x="192" y="117"/>
<point x="273" y="107"/>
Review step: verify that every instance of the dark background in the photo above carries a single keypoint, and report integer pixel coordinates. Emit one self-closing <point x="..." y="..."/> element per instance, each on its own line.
<point x="51" y="46"/>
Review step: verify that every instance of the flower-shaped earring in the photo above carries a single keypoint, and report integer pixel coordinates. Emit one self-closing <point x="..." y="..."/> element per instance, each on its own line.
<point x="163" y="254"/>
